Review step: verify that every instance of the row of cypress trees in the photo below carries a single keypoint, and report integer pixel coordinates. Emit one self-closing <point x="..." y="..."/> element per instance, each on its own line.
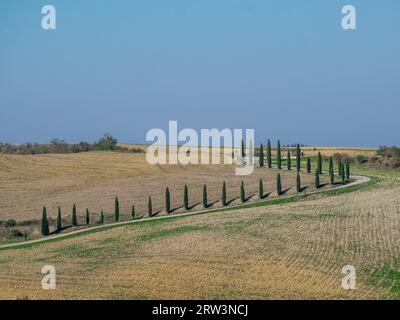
<point x="343" y="172"/>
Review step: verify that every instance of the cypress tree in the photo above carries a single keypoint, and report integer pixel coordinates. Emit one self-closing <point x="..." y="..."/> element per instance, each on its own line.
<point x="298" y="182"/>
<point x="260" y="189"/>
<point x="319" y="167"/>
<point x="45" y="223"/>
<point x="278" y="155"/>
<point x="289" y="161"/>
<point x="278" y="184"/>
<point x="261" y="156"/>
<point x="298" y="158"/>
<point x="223" y="195"/>
<point x="116" y="209"/>
<point x="205" y="199"/>
<point x="242" y="151"/>
<point x="59" y="222"/>
<point x="150" y="207"/>
<point x="340" y="167"/>
<point x="102" y="217"/>
<point x="167" y="201"/>
<point x="133" y="213"/>
<point x="186" y="197"/>
<point x="317" y="183"/>
<point x="87" y="217"/>
<point x="74" y="217"/>
<point x="242" y="192"/>
<point x="331" y="172"/>
<point x="348" y="170"/>
<point x="308" y="164"/>
<point x="342" y="175"/>
<point x="269" y="154"/>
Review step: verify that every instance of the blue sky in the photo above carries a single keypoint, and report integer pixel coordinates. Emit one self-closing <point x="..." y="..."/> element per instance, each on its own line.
<point x="285" y="68"/>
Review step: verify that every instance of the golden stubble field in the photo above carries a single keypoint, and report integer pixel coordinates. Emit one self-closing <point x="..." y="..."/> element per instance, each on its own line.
<point x="93" y="180"/>
<point x="287" y="251"/>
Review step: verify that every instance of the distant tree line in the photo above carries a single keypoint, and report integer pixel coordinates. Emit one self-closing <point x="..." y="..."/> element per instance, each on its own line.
<point x="106" y="143"/>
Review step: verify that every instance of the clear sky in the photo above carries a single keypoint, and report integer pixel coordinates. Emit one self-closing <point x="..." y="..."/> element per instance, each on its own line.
<point x="285" y="68"/>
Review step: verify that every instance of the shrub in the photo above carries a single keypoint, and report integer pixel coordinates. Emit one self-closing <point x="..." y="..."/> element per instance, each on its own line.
<point x="360" y="159"/>
<point x="45" y="223"/>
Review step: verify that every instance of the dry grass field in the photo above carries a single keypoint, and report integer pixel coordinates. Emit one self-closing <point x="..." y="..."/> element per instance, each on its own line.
<point x="284" y="251"/>
<point x="93" y="180"/>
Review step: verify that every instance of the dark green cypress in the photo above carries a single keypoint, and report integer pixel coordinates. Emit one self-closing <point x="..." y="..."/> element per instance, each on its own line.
<point x="167" y="201"/>
<point x="45" y="223"/>
<point x="340" y="167"/>
<point x="319" y="167"/>
<point x="186" y="197"/>
<point x="269" y="154"/>
<point x="242" y="192"/>
<point x="133" y="213"/>
<point x="223" y="195"/>
<point x="289" y="161"/>
<point x="308" y="164"/>
<point x="87" y="217"/>
<point x="331" y="171"/>
<point x="342" y="175"/>
<point x="261" y="156"/>
<point x="205" y="198"/>
<point x="150" y="207"/>
<point x="116" y="209"/>
<point x="260" y="189"/>
<point x="278" y="155"/>
<point x="59" y="221"/>
<point x="317" y="183"/>
<point x="242" y="151"/>
<point x="298" y="182"/>
<point x="74" y="217"/>
<point x="278" y="185"/>
<point x="348" y="170"/>
<point x="298" y="158"/>
<point x="101" y="217"/>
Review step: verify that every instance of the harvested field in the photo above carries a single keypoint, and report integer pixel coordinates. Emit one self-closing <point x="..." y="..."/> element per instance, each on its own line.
<point x="93" y="180"/>
<point x="293" y="250"/>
